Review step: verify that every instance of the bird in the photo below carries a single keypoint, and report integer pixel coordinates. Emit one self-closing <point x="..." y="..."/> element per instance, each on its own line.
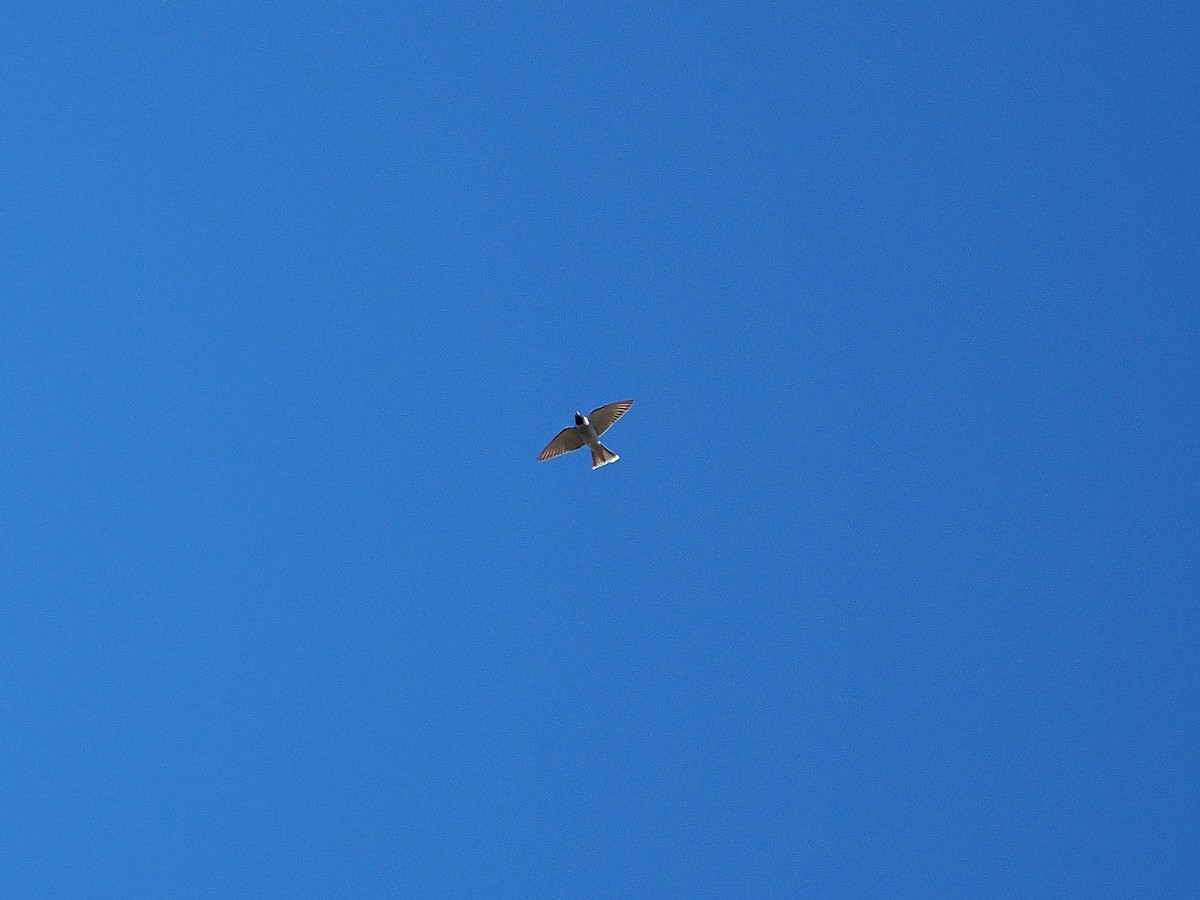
<point x="587" y="430"/>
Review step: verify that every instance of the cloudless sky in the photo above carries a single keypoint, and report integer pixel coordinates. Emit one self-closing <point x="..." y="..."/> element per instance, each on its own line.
<point x="893" y="592"/>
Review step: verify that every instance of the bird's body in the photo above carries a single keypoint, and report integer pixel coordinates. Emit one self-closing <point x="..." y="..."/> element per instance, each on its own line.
<point x="601" y="455"/>
<point x="586" y="432"/>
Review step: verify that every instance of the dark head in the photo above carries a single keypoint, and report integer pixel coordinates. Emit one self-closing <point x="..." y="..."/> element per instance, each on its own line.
<point x="579" y="419"/>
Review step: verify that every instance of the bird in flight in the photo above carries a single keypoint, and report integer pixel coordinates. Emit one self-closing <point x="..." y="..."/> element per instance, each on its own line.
<point x="587" y="430"/>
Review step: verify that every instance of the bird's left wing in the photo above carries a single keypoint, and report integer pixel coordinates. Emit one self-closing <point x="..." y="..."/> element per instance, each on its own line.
<point x="603" y="417"/>
<point x="564" y="442"/>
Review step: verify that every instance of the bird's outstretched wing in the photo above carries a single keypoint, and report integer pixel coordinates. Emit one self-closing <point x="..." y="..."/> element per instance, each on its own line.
<point x="567" y="440"/>
<point x="603" y="417"/>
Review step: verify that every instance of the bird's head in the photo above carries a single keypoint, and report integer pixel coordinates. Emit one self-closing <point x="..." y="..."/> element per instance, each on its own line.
<point x="580" y="419"/>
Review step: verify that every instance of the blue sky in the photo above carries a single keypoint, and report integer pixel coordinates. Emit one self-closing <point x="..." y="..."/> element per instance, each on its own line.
<point x="892" y="593"/>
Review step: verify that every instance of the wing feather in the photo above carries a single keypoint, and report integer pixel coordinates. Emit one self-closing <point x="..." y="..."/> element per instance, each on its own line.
<point x="564" y="442"/>
<point x="603" y="418"/>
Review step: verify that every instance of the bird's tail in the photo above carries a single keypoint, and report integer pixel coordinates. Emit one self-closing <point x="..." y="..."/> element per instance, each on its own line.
<point x="602" y="456"/>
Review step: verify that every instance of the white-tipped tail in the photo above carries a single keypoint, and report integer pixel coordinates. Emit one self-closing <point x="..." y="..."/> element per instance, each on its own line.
<point x="602" y="456"/>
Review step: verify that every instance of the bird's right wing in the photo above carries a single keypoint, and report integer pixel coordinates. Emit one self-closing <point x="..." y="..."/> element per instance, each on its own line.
<point x="603" y="417"/>
<point x="567" y="440"/>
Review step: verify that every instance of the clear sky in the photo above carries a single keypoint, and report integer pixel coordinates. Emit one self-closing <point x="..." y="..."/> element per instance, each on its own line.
<point x="893" y="592"/>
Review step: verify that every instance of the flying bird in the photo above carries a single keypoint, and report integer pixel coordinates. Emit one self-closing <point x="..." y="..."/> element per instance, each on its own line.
<point x="587" y="430"/>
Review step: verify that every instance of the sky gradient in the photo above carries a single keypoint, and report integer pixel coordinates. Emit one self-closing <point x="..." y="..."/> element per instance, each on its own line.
<point x="893" y="592"/>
